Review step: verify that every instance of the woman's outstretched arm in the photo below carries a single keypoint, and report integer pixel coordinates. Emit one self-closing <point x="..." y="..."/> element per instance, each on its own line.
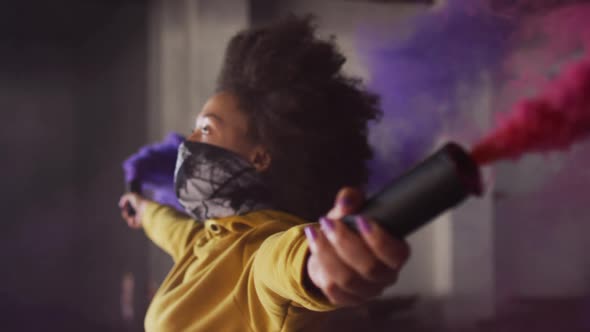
<point x="322" y="268"/>
<point x="165" y="226"/>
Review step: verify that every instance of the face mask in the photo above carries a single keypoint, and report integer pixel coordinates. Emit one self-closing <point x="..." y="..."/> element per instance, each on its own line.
<point x="212" y="182"/>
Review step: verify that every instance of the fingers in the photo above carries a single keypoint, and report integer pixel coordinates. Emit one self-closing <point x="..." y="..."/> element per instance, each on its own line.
<point x="132" y="200"/>
<point x="331" y="290"/>
<point x="126" y="198"/>
<point x="389" y="250"/>
<point x="350" y="267"/>
<point x="355" y="253"/>
<point x="348" y="201"/>
<point x="338" y="282"/>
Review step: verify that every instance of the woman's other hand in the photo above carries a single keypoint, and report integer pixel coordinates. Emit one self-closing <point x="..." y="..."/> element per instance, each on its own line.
<point x="350" y="268"/>
<point x="137" y="202"/>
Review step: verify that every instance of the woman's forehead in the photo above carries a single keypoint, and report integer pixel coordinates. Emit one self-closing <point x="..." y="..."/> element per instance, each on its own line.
<point x="223" y="108"/>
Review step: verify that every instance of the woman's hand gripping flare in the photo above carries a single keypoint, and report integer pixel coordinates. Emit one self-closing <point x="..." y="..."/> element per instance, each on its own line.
<point x="351" y="268"/>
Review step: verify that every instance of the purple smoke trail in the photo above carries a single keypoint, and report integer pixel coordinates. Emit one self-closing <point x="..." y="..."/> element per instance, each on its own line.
<point x="417" y="78"/>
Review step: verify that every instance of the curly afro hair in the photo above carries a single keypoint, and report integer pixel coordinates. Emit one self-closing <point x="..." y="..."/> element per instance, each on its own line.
<point x="311" y="117"/>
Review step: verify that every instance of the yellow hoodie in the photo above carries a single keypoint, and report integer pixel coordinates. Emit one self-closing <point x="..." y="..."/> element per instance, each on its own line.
<point x="240" y="273"/>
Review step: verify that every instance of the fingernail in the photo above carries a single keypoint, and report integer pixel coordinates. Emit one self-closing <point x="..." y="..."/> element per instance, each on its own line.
<point x="326" y="224"/>
<point x="363" y="224"/>
<point x="311" y="234"/>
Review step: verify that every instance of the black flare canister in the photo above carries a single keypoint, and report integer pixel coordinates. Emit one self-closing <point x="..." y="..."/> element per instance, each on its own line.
<point x="439" y="183"/>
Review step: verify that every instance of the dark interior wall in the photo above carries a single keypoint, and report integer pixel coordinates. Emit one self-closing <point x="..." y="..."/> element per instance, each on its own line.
<point x="38" y="104"/>
<point x="110" y="124"/>
<point x="262" y="11"/>
<point x="73" y="96"/>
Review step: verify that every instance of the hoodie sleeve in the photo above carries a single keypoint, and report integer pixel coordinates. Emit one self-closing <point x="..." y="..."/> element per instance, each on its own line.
<point x="169" y="229"/>
<point x="279" y="269"/>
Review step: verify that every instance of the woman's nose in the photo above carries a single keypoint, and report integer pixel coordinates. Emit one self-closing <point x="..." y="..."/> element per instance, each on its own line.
<point x="194" y="137"/>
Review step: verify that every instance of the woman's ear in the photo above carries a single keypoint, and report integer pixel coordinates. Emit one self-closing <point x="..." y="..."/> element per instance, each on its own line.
<point x="261" y="159"/>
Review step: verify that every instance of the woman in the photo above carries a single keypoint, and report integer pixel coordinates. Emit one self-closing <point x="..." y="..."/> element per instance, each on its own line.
<point x="270" y="150"/>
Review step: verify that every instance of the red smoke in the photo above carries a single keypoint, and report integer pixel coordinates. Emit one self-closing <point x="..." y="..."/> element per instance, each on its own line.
<point x="553" y="120"/>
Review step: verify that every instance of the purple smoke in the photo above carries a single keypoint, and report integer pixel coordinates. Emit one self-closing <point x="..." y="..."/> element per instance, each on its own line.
<point x="418" y="78"/>
<point x="153" y="165"/>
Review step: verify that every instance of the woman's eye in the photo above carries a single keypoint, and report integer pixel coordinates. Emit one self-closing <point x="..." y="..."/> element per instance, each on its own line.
<point x="205" y="130"/>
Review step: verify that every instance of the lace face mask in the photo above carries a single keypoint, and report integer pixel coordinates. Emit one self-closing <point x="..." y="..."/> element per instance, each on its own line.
<point x="212" y="182"/>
